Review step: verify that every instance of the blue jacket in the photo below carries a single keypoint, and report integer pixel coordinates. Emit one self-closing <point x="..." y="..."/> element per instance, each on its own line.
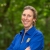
<point x="33" y="38"/>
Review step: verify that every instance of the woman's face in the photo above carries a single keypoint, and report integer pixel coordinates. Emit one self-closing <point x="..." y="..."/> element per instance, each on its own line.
<point x="27" y="18"/>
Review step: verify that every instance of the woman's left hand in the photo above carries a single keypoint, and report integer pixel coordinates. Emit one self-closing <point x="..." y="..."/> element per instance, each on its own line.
<point x="28" y="48"/>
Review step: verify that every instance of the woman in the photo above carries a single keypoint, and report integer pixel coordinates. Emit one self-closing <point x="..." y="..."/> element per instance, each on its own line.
<point x="29" y="38"/>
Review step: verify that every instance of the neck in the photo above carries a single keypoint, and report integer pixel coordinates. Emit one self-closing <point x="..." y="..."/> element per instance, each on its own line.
<point x="27" y="28"/>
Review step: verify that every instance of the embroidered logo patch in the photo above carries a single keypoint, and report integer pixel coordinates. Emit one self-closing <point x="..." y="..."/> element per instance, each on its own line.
<point x="28" y="40"/>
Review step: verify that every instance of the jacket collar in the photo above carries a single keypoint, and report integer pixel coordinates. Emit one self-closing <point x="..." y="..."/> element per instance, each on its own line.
<point x="30" y="31"/>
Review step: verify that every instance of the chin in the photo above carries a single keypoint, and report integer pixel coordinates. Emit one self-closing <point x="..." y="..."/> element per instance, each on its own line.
<point x="26" y="26"/>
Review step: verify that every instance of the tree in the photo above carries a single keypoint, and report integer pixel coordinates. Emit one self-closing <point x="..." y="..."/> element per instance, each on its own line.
<point x="10" y="19"/>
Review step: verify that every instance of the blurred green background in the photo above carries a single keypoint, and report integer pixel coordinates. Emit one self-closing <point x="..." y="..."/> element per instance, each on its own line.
<point x="10" y="20"/>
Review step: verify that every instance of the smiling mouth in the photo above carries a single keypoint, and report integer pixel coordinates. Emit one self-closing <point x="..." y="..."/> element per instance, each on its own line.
<point x="25" y="22"/>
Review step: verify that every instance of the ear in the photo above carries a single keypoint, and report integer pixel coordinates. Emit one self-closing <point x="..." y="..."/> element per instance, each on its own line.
<point x="34" y="20"/>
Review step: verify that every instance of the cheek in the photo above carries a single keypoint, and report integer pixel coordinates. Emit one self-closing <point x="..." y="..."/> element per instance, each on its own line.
<point x="22" y="18"/>
<point x="31" y="19"/>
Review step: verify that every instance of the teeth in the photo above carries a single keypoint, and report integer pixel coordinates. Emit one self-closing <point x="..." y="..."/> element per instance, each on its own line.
<point x="25" y="22"/>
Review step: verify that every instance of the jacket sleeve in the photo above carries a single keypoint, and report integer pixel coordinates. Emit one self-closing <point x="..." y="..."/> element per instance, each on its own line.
<point x="12" y="43"/>
<point x="37" y="42"/>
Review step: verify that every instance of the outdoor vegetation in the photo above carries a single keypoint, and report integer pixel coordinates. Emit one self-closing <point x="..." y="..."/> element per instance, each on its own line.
<point x="10" y="20"/>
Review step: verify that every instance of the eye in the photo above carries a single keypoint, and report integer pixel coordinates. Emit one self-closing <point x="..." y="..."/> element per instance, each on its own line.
<point x="23" y="14"/>
<point x="29" y="15"/>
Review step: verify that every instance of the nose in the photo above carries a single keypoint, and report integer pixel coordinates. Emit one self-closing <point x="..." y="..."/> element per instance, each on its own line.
<point x="26" y="17"/>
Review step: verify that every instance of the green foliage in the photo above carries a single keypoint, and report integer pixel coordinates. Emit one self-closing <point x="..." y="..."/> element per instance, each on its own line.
<point x="10" y="19"/>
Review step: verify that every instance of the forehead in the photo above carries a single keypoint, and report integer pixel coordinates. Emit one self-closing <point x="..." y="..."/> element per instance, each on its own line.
<point x="28" y="11"/>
